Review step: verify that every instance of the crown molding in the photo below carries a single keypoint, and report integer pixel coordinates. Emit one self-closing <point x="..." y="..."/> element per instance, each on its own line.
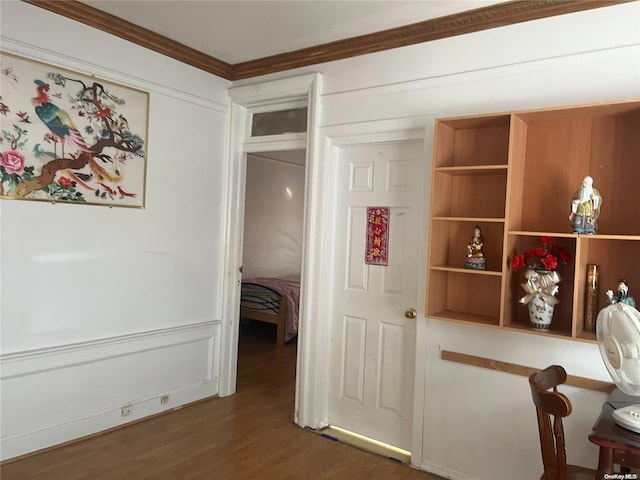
<point x="108" y="23"/>
<point x="457" y="24"/>
<point x="451" y="25"/>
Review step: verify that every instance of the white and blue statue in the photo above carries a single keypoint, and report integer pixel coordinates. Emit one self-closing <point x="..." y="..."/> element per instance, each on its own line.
<point x="622" y="295"/>
<point x="585" y="208"/>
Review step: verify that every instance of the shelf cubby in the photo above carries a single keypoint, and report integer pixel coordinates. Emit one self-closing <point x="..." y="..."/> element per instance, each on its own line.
<point x="466" y="295"/>
<point x="517" y="313"/>
<point x="451" y="236"/>
<point x="470" y="193"/>
<point x="472" y="141"/>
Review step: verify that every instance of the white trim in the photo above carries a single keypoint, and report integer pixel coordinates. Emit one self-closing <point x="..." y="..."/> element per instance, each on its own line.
<point x="273" y="143"/>
<point x="422" y="324"/>
<point x="233" y="235"/>
<point x="312" y="380"/>
<point x="377" y="131"/>
<point x="40" y="360"/>
<point x="91" y="69"/>
<point x="461" y="77"/>
<point x="429" y="467"/>
<point x="245" y="100"/>
<point x="313" y="387"/>
<point x="78" y="428"/>
<point x="409" y="97"/>
<point x="262" y="108"/>
<point x="275" y="93"/>
<point x="27" y="369"/>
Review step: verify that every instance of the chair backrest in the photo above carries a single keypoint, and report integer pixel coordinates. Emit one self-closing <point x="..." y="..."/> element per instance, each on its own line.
<point x="551" y="408"/>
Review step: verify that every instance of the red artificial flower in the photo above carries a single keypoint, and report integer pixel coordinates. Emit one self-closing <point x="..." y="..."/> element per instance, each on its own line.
<point x="547" y="256"/>
<point x="517" y="262"/>
<point x="561" y="253"/>
<point x="550" y="262"/>
<point x="538" y="251"/>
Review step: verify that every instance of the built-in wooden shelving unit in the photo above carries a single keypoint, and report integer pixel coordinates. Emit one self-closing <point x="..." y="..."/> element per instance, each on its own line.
<point x="514" y="174"/>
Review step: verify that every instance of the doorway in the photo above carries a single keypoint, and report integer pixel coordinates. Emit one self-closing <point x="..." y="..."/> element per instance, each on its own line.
<point x="272" y="247"/>
<point x="311" y="396"/>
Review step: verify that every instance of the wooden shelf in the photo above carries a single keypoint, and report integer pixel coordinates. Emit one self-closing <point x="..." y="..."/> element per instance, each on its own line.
<point x="448" y="268"/>
<point x="598" y="236"/>
<point x="514" y="175"/>
<point x="473" y="170"/>
<point x="543" y="234"/>
<point x="466" y="318"/>
<point x="587" y="336"/>
<point x="470" y="219"/>
<point x="528" y="329"/>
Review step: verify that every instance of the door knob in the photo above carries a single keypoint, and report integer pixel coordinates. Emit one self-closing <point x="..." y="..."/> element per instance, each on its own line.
<point x="411" y="313"/>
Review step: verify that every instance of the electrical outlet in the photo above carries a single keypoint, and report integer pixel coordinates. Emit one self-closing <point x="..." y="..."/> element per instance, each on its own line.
<point x="126" y="410"/>
<point x="164" y="399"/>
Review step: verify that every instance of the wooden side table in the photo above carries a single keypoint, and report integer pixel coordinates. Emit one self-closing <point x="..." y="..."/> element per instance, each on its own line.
<point x="618" y="446"/>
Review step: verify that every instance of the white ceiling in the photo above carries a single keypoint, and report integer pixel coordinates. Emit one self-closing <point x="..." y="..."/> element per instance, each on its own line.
<point x="236" y="31"/>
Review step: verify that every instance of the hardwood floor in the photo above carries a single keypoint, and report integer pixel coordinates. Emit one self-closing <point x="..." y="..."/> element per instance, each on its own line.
<point x="245" y="436"/>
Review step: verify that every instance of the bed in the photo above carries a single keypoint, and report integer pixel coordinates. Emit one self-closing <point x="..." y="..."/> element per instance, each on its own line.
<point x="272" y="300"/>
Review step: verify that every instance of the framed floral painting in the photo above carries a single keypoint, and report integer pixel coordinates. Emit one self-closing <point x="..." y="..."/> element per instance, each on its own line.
<point x="70" y="137"/>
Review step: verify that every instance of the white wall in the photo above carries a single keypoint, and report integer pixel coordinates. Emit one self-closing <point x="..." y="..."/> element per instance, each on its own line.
<point x="481" y="424"/>
<point x="102" y="307"/>
<point x="161" y="265"/>
<point x="274" y="212"/>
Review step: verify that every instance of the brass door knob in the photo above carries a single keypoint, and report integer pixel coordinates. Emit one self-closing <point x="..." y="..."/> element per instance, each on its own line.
<point x="411" y="313"/>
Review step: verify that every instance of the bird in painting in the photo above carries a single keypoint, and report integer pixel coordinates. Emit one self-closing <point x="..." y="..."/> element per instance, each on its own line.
<point x="57" y="120"/>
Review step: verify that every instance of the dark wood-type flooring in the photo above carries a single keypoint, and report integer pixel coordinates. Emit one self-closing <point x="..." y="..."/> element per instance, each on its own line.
<point x="245" y="436"/>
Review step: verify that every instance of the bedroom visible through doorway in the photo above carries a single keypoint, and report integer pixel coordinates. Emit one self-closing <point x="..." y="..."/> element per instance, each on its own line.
<point x="272" y="246"/>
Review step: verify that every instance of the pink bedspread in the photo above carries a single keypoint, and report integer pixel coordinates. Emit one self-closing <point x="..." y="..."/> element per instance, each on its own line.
<point x="289" y="289"/>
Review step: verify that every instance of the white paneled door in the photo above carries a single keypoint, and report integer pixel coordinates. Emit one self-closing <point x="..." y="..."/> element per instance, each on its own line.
<point x="373" y="334"/>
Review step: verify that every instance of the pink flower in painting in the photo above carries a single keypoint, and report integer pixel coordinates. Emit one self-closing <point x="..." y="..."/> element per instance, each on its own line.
<point x="12" y="161"/>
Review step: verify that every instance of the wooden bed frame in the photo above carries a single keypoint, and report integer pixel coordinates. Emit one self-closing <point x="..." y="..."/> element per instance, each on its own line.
<point x="269" y="314"/>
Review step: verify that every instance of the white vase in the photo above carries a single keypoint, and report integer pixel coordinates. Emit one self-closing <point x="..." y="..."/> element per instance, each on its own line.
<point x="540" y="313"/>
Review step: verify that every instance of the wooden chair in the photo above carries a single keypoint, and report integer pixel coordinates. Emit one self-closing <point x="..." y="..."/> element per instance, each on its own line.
<point x="550" y="403"/>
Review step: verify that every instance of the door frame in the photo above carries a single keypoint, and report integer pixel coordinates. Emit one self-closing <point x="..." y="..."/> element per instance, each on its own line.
<point x="312" y="375"/>
<point x="334" y="138"/>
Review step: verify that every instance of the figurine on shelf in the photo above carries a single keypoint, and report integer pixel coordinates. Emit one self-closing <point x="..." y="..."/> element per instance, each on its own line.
<point x="475" y="253"/>
<point x="622" y="295"/>
<point x="585" y="208"/>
